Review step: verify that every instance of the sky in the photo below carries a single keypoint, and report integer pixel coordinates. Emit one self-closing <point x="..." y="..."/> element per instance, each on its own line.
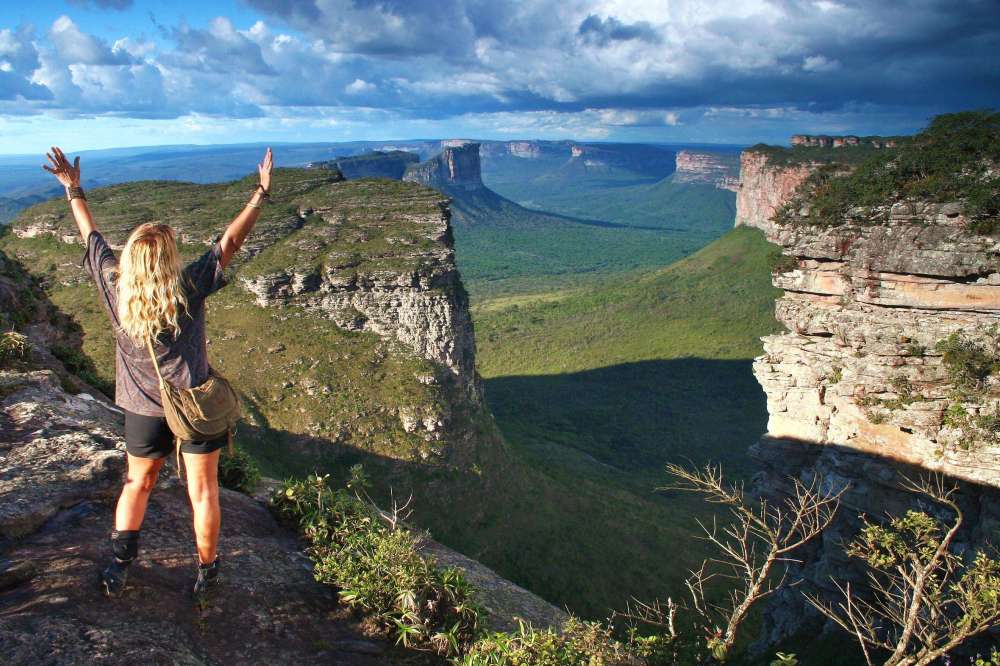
<point x="88" y="74"/>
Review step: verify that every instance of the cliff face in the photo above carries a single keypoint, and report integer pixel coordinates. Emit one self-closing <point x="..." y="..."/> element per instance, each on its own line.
<point x="764" y="187"/>
<point x="456" y="167"/>
<point x="720" y="170"/>
<point x="411" y="293"/>
<point x="867" y="307"/>
<point x="859" y="389"/>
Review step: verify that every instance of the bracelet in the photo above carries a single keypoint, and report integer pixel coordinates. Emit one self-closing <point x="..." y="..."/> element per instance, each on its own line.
<point x="253" y="205"/>
<point x="75" y="192"/>
<point x="264" y="193"/>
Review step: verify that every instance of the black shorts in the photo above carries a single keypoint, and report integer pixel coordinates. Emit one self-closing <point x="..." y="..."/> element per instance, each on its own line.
<point x="150" y="437"/>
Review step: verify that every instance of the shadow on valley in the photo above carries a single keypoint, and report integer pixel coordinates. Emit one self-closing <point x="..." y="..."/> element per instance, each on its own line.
<point x="566" y="505"/>
<point x="635" y="417"/>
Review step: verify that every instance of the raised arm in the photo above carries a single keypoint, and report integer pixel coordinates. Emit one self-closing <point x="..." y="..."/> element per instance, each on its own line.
<point x="241" y="225"/>
<point x="69" y="176"/>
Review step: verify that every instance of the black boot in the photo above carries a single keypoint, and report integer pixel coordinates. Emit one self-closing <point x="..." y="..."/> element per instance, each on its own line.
<point x="208" y="576"/>
<point x="125" y="545"/>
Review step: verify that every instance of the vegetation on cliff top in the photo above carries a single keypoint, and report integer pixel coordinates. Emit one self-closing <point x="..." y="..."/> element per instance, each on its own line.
<point x="955" y="159"/>
<point x="848" y="154"/>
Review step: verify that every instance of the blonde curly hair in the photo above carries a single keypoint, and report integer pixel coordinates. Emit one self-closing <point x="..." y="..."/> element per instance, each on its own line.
<point x="150" y="295"/>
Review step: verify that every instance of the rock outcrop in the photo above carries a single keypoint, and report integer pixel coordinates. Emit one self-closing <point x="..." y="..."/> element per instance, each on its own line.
<point x="858" y="388"/>
<point x="61" y="467"/>
<point x="765" y="186"/>
<point x="718" y="169"/>
<point x="457" y="166"/>
<point x="412" y="292"/>
<point x="825" y="141"/>
<point x="377" y="164"/>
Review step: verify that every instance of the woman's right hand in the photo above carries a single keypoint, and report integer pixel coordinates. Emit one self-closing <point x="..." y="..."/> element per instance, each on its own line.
<point x="264" y="169"/>
<point x="68" y="174"/>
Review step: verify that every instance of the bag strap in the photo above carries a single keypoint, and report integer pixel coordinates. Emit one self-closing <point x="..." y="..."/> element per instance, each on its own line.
<point x="156" y="366"/>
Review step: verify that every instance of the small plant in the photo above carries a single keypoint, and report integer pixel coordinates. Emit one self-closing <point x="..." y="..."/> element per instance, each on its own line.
<point x="782" y="659"/>
<point x="928" y="599"/>
<point x="915" y="349"/>
<point x="578" y="642"/>
<point x="971" y="364"/>
<point x="14" y="348"/>
<point x="835" y="375"/>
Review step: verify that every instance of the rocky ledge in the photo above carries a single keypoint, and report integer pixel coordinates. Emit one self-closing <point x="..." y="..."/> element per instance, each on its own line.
<point x="61" y="467"/>
<point x="867" y="308"/>
<point x="376" y="260"/>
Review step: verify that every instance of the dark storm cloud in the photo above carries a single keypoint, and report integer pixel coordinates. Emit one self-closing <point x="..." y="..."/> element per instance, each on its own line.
<point x="431" y="60"/>
<point x="602" y="31"/>
<point x="120" y="5"/>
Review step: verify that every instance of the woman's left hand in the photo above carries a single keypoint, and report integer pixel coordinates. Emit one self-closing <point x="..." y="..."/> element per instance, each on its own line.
<point x="264" y="169"/>
<point x="68" y="174"/>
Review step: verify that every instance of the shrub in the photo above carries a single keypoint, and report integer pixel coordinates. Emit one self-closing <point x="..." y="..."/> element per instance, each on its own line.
<point x="970" y="364"/>
<point x="379" y="569"/>
<point x="578" y="643"/>
<point x="14" y="348"/>
<point x="930" y="596"/>
<point x="954" y="159"/>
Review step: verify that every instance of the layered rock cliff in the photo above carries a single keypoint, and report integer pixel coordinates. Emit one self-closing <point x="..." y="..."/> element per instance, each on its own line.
<point x="373" y="258"/>
<point x="888" y="368"/>
<point x="457" y="166"/>
<point x="765" y="186"/>
<point x="718" y="169"/>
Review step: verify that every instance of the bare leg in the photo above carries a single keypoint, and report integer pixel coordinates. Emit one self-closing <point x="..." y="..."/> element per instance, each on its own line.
<point x="140" y="478"/>
<point x="203" y="489"/>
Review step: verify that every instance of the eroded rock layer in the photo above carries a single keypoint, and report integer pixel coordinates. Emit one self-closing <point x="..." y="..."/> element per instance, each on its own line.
<point x="859" y="389"/>
<point x="764" y="187"/>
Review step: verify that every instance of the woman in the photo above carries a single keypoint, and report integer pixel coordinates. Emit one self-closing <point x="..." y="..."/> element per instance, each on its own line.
<point x="149" y="297"/>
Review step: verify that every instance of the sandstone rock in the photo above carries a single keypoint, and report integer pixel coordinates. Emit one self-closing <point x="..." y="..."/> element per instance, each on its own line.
<point x="856" y="389"/>
<point x="456" y="166"/>
<point x="719" y="169"/>
<point x="765" y="187"/>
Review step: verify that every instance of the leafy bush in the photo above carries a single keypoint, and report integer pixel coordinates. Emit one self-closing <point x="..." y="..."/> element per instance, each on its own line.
<point x="378" y="568"/>
<point x="14" y="348"/>
<point x="238" y="471"/>
<point x="955" y="158"/>
<point x="970" y="364"/>
<point x="578" y="643"/>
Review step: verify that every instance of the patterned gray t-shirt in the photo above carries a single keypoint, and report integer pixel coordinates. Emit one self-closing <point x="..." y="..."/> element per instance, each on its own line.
<point x="184" y="360"/>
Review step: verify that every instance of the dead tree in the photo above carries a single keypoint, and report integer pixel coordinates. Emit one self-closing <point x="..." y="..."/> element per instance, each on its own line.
<point x="758" y="537"/>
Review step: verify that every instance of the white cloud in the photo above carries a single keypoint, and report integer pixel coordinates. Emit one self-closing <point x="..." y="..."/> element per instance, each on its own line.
<point x="359" y="86"/>
<point x="819" y="63"/>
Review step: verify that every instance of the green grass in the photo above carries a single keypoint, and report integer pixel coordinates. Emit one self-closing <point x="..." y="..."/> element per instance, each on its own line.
<point x="506" y="249"/>
<point x="597" y="390"/>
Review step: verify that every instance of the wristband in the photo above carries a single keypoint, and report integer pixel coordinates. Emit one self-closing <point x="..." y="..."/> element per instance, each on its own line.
<point x="75" y="192"/>
<point x="263" y="192"/>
